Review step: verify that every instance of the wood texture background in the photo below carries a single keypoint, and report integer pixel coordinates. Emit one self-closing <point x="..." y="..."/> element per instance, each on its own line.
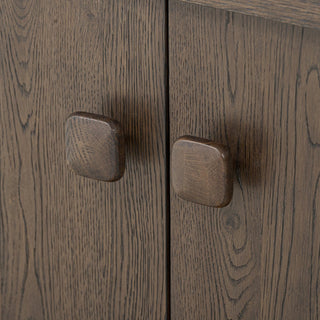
<point x="71" y="247"/>
<point x="304" y="13"/>
<point x="253" y="85"/>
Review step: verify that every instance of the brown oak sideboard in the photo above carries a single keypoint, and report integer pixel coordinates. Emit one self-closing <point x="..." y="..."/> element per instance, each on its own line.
<point x="159" y="159"/>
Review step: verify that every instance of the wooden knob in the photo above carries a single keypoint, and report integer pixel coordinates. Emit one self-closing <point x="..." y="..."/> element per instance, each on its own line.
<point x="202" y="171"/>
<point x="95" y="146"/>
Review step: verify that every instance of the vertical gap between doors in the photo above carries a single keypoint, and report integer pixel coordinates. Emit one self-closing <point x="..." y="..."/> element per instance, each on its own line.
<point x="168" y="224"/>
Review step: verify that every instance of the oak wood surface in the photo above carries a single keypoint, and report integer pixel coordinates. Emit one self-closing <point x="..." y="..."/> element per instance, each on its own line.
<point x="304" y="13"/>
<point x="71" y="247"/>
<point x="201" y="171"/>
<point x="95" y="146"/>
<point x="253" y="85"/>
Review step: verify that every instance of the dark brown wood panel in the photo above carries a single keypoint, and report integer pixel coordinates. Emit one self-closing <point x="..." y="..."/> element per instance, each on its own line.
<point x="71" y="247"/>
<point x="253" y="85"/>
<point x="304" y="13"/>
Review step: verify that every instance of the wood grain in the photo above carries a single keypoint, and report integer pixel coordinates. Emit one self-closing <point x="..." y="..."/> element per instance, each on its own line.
<point x="305" y="13"/>
<point x="201" y="171"/>
<point x="95" y="146"/>
<point x="70" y="247"/>
<point x="253" y="85"/>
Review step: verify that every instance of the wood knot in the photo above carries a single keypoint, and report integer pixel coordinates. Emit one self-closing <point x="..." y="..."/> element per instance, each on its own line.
<point x="231" y="221"/>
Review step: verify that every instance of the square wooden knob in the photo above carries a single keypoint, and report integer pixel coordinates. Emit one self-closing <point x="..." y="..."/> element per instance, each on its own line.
<point x="202" y="171"/>
<point x="95" y="146"/>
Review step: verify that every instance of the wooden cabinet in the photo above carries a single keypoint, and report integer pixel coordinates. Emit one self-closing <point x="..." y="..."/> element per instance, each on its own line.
<point x="243" y="74"/>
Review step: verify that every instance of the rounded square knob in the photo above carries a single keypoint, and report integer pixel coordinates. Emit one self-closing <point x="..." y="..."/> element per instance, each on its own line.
<point x="202" y="171"/>
<point x="95" y="146"/>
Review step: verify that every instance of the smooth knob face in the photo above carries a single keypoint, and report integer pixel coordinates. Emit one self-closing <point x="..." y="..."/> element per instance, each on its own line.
<point x="95" y="146"/>
<point x="202" y="171"/>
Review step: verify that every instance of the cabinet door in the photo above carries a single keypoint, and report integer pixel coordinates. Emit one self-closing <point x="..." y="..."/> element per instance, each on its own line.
<point x="71" y="247"/>
<point x="252" y="84"/>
